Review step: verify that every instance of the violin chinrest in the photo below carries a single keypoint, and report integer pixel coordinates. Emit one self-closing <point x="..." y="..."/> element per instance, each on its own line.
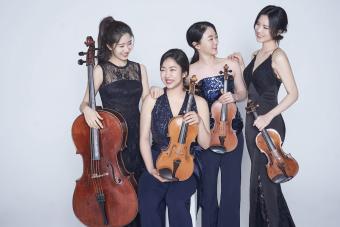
<point x="167" y="174"/>
<point x="217" y="149"/>
<point x="281" y="178"/>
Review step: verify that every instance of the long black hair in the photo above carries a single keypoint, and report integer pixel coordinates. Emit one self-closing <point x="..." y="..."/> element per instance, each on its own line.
<point x="110" y="32"/>
<point x="195" y="33"/>
<point x="278" y="20"/>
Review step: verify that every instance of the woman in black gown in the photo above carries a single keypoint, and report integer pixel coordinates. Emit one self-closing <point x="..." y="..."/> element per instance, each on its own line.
<point x="121" y="84"/>
<point x="263" y="76"/>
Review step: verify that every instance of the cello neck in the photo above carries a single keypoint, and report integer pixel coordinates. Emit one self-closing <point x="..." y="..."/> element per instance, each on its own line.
<point x="92" y="98"/>
<point x="92" y="103"/>
<point x="90" y="55"/>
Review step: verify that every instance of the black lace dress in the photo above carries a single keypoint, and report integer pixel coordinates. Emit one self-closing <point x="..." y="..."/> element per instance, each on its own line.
<point x="121" y="91"/>
<point x="268" y="207"/>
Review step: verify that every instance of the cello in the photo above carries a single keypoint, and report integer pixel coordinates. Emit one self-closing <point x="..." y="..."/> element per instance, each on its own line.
<point x="105" y="193"/>
<point x="176" y="163"/>
<point x="223" y="136"/>
<point x="281" y="167"/>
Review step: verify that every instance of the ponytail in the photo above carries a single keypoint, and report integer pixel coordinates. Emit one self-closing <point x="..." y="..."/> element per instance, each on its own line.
<point x="195" y="57"/>
<point x="195" y="33"/>
<point x="103" y="52"/>
<point x="110" y="32"/>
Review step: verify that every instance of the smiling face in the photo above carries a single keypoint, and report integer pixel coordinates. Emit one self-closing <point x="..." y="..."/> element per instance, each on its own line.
<point x="171" y="74"/>
<point x="208" y="43"/>
<point x="262" y="29"/>
<point x="122" y="48"/>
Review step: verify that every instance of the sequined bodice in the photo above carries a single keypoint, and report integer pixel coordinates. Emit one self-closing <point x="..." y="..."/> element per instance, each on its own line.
<point x="210" y="88"/>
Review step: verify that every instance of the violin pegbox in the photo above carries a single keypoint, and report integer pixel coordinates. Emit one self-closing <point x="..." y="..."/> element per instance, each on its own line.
<point x="251" y="106"/>
<point x="192" y="85"/>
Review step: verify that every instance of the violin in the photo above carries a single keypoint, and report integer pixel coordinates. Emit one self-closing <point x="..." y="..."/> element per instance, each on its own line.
<point x="176" y="163"/>
<point x="223" y="136"/>
<point x="281" y="167"/>
<point x="105" y="194"/>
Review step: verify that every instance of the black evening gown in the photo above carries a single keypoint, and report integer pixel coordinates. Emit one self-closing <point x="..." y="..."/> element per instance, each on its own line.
<point x="268" y="207"/>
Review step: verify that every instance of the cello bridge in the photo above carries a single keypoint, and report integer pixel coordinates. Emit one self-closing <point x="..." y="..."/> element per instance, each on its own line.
<point x="96" y="175"/>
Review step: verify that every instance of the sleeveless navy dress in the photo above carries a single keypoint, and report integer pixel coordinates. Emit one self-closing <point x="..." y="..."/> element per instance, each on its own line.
<point x="268" y="207"/>
<point x="228" y="212"/>
<point x="154" y="195"/>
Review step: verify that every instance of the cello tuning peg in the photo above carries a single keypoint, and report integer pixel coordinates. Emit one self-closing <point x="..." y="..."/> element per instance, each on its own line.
<point x="82" y="53"/>
<point x="220" y="72"/>
<point x="81" y="61"/>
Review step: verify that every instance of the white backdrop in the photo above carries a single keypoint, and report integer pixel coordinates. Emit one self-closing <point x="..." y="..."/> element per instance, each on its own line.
<point x="42" y="87"/>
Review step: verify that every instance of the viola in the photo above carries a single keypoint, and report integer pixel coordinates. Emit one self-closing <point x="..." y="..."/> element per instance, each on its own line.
<point x="105" y="194"/>
<point x="176" y="163"/>
<point x="223" y="136"/>
<point x="281" y="167"/>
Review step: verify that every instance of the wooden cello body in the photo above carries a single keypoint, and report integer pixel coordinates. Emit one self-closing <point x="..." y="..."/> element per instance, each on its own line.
<point x="223" y="136"/>
<point x="105" y="194"/>
<point x="281" y="167"/>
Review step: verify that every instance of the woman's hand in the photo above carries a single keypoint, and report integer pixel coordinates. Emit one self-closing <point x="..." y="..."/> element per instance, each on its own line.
<point x="92" y="118"/>
<point x="154" y="172"/>
<point x="191" y="118"/>
<point x="227" y="98"/>
<point x="236" y="57"/>
<point x="155" y="92"/>
<point x="263" y="121"/>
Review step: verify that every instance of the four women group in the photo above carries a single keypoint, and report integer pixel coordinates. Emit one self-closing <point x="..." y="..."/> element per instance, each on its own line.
<point x="122" y="84"/>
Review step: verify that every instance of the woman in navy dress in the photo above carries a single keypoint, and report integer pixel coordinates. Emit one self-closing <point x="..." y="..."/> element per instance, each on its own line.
<point x="264" y="75"/>
<point x="155" y="192"/>
<point x="202" y="37"/>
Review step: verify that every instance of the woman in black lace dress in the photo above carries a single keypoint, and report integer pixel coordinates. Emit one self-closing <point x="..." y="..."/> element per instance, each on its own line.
<point x="263" y="76"/>
<point x="121" y="84"/>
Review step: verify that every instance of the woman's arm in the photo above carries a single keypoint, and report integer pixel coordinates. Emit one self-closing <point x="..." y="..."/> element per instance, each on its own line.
<point x="203" y="137"/>
<point x="145" y="130"/>
<point x="144" y="139"/>
<point x="91" y="116"/>
<point x="282" y="69"/>
<point x="145" y="82"/>
<point x="202" y="119"/>
<point x="240" y="91"/>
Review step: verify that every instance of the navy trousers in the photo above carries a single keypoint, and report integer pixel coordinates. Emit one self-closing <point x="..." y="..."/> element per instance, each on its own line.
<point x="228" y="213"/>
<point x="154" y="196"/>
